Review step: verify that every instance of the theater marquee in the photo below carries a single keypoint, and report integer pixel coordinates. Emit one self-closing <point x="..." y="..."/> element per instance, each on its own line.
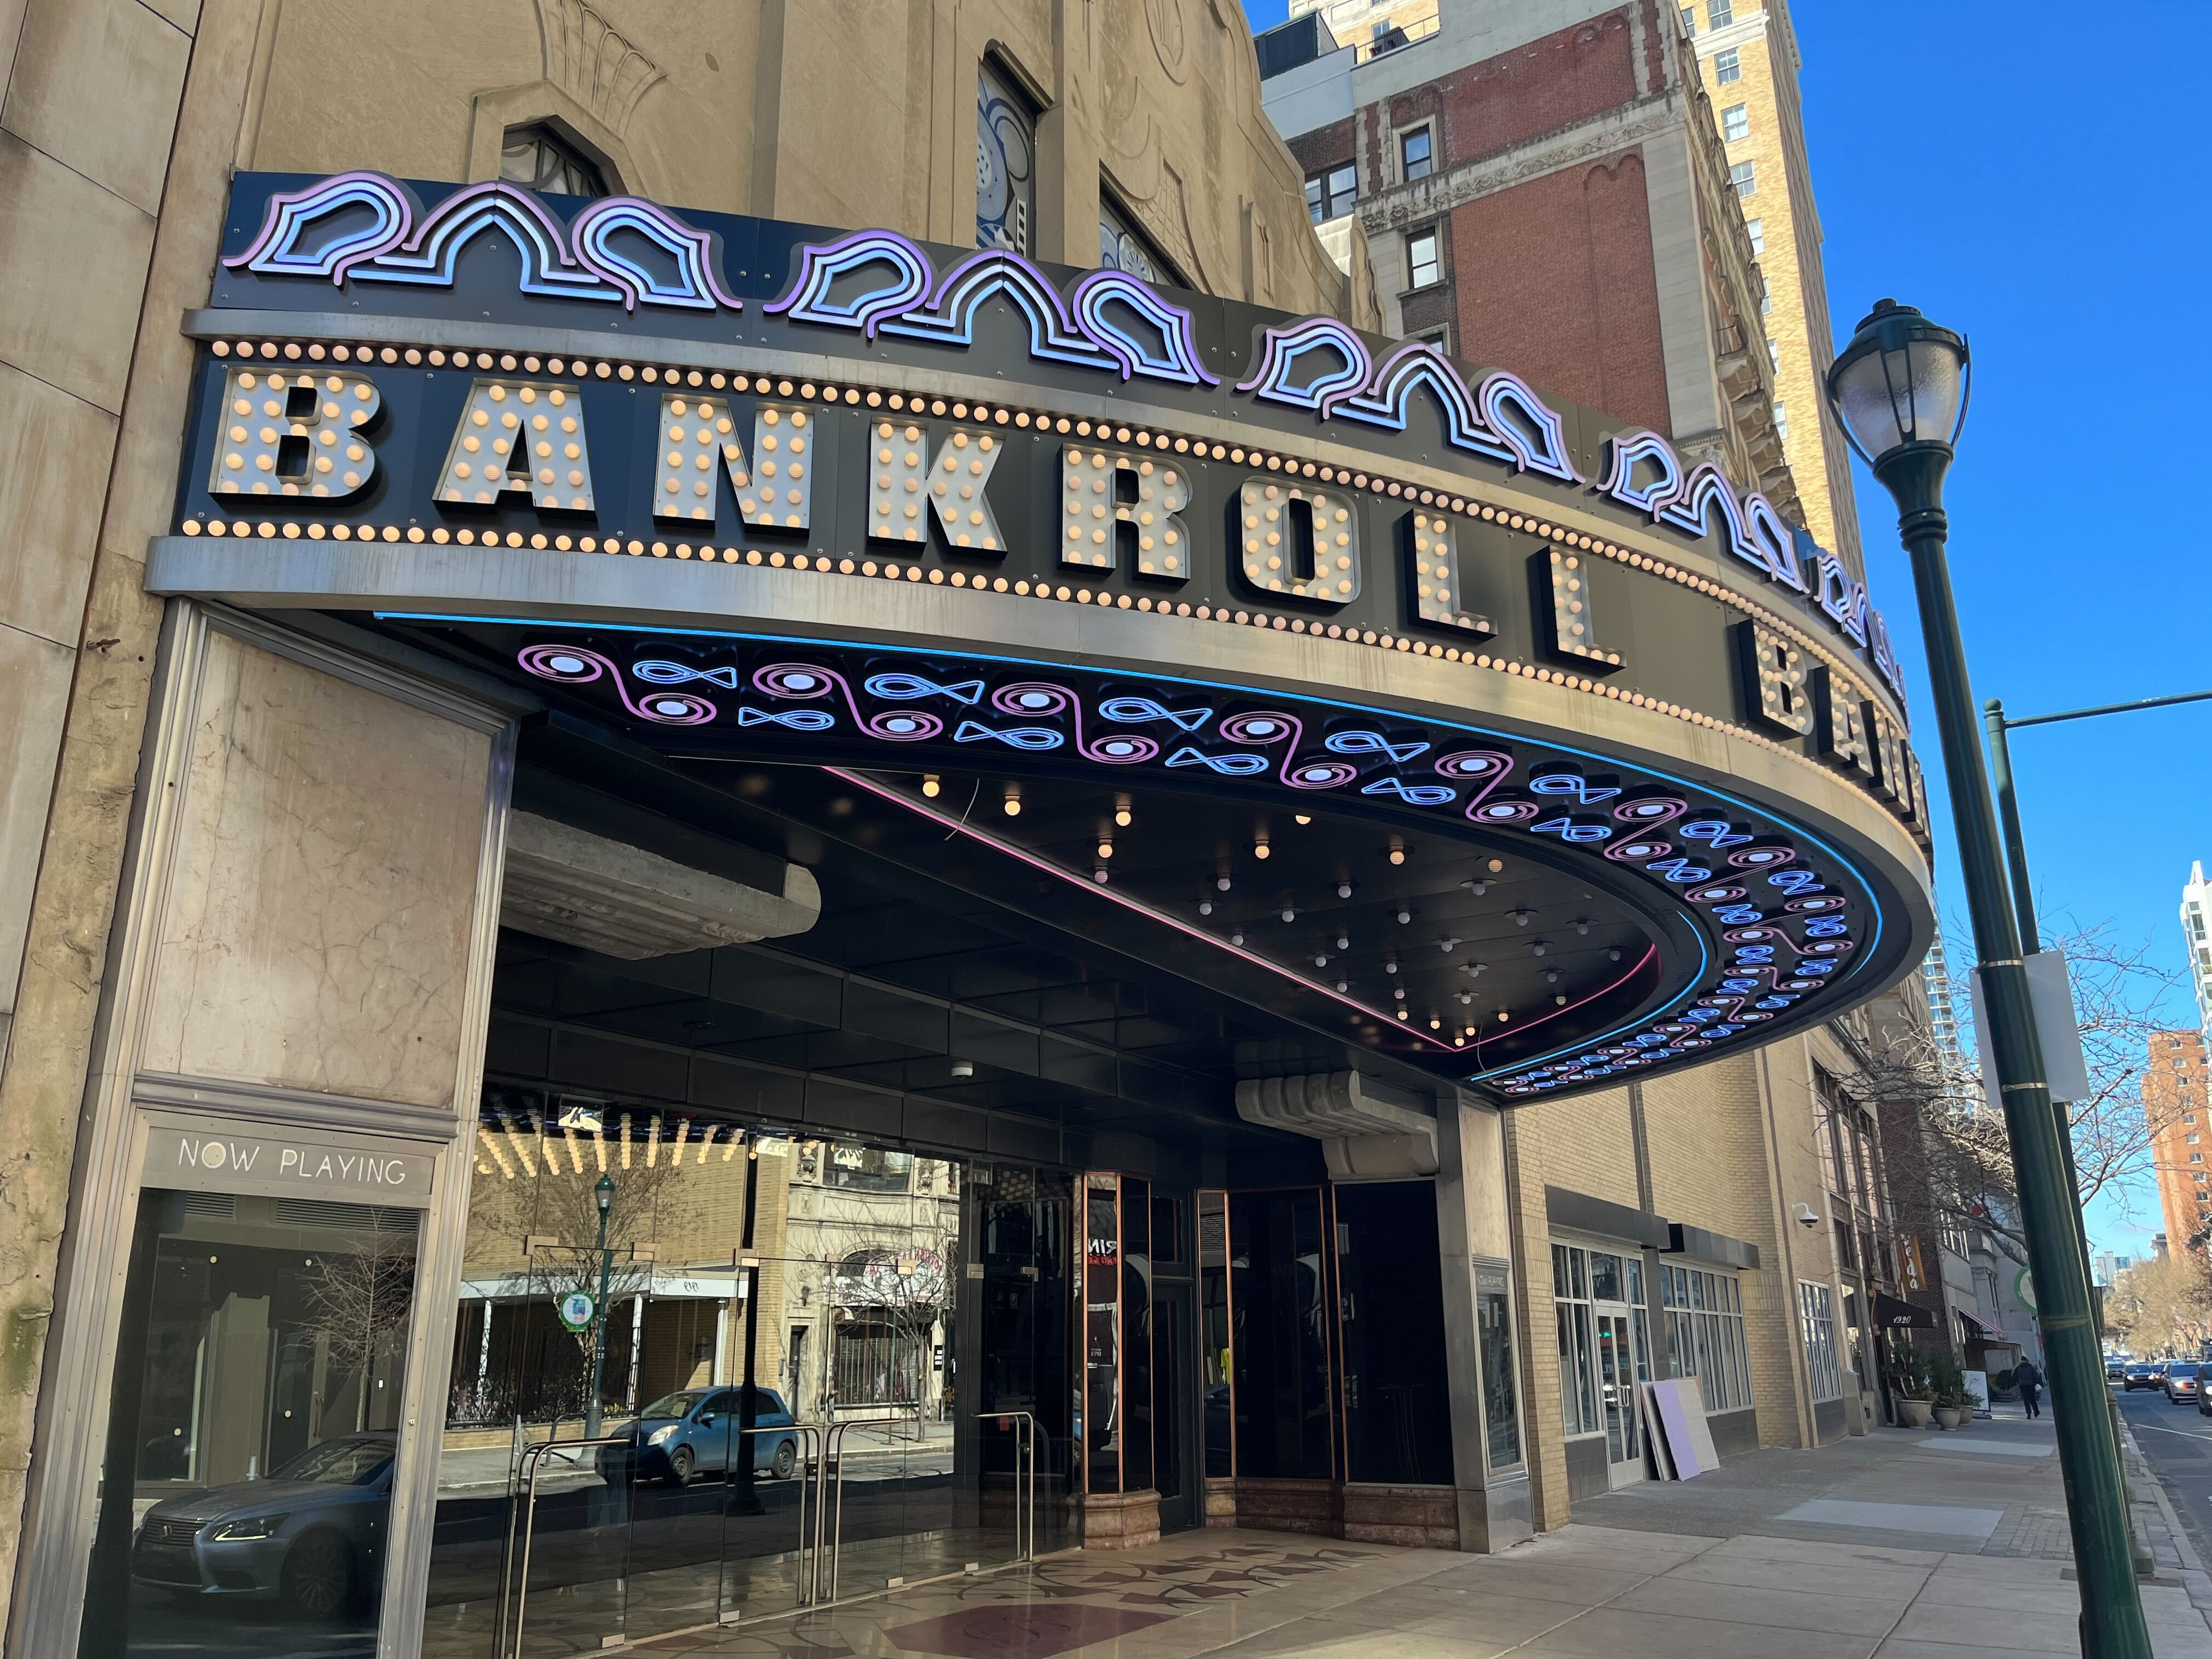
<point x="952" y="527"/>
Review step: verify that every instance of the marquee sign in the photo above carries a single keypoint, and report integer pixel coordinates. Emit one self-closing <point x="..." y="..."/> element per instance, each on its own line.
<point x="515" y="399"/>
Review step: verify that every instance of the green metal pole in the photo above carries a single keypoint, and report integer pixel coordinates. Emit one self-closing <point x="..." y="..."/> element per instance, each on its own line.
<point x="599" y="1332"/>
<point x="2023" y="900"/>
<point x="2111" y="1622"/>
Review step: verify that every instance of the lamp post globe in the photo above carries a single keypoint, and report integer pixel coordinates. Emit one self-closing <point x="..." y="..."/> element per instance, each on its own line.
<point x="1899" y="390"/>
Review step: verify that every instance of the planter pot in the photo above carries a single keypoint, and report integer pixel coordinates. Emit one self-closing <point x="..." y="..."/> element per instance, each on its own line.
<point x="1946" y="1417"/>
<point x="1915" y="1412"/>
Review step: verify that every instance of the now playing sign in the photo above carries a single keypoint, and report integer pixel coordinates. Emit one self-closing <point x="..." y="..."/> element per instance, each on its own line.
<point x="201" y="1157"/>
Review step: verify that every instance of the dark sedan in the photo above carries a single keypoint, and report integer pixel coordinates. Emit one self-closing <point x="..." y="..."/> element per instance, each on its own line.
<point x="311" y="1535"/>
<point x="2145" y="1377"/>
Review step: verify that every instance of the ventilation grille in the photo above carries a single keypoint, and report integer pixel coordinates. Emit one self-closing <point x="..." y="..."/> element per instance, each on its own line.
<point x="215" y="1207"/>
<point x="353" y="1218"/>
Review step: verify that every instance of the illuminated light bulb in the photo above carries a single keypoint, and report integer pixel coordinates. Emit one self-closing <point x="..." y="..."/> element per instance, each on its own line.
<point x="1344" y="890"/>
<point x="1014" y="800"/>
<point x="931" y="786"/>
<point x="1300" y="817"/>
<point x="1259" y="849"/>
<point x="1397" y="855"/>
<point x="1459" y="1043"/>
<point x="1221" y="883"/>
<point x="1436" y="1026"/>
<point x="1561" y="999"/>
<point x="1122" y="813"/>
<point x="1105" y="849"/>
<point x="1496" y="865"/>
<point x="1099" y="874"/>
<point x="1404" y="916"/>
<point x="1399" y="993"/>
<point x="1289" y="913"/>
<point x="1206" y="907"/>
<point x="1504" y="1015"/>
<point x="1403" y="1015"/>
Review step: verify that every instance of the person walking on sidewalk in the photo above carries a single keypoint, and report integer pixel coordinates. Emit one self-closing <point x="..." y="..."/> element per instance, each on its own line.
<point x="2029" y="1382"/>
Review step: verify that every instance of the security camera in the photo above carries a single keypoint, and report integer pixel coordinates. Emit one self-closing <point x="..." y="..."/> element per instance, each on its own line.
<point x="1806" y="1216"/>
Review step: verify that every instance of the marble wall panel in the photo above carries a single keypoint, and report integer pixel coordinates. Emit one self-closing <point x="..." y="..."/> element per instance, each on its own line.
<point x="54" y="455"/>
<point x="73" y="265"/>
<point x="34" y="684"/>
<point x="95" y="85"/>
<point x="316" y="928"/>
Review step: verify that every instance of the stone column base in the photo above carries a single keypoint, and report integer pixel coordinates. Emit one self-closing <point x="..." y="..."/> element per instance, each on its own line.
<point x="1423" y="1517"/>
<point x="1220" y="1501"/>
<point x="1121" y="1521"/>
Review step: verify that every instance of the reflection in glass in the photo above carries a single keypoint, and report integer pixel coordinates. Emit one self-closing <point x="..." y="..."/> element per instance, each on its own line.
<point x="1397" y="1399"/>
<point x="1136" y="1333"/>
<point x="1500" y="1413"/>
<point x="246" y="1494"/>
<point x="1102" y="1346"/>
<point x="1280" y="1337"/>
<point x="1214" y="1330"/>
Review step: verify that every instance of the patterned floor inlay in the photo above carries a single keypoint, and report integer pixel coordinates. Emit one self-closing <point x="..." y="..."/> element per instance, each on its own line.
<point x="1007" y="1632"/>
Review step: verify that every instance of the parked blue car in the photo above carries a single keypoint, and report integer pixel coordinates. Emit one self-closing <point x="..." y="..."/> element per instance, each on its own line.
<point x="694" y="1432"/>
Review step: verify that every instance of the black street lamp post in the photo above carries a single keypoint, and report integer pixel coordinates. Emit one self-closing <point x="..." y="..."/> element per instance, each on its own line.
<point x="1900" y="391"/>
<point x="604" y="1195"/>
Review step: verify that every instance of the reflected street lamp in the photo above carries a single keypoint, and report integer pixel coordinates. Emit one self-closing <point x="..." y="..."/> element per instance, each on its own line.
<point x="1899" y="390"/>
<point x="604" y="1195"/>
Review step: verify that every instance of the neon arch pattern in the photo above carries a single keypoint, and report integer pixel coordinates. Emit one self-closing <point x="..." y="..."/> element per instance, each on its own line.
<point x="404" y="244"/>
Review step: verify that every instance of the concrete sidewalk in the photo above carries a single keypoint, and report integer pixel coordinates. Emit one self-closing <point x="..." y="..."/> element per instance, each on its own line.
<point x="1897" y="1545"/>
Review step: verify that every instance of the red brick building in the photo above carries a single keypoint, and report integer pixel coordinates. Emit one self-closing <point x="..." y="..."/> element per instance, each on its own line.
<point x="1544" y="188"/>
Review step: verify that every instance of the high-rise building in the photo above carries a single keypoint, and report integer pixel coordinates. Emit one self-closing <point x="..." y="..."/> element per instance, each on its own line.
<point x="2175" y="1103"/>
<point x="1942" y="1015"/>
<point x="1746" y="50"/>
<point x="2196" y="904"/>
<point x="1545" y="188"/>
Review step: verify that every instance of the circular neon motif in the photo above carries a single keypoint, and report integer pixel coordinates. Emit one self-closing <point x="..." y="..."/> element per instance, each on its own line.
<point x="1325" y="775"/>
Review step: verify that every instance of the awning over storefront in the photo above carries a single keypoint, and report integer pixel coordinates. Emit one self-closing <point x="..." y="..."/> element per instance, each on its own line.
<point x="1975" y="1329"/>
<point x="1899" y="1316"/>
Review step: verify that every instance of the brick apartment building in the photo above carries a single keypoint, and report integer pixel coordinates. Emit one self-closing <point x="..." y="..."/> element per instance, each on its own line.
<point x="1544" y="186"/>
<point x="2175" y="1103"/>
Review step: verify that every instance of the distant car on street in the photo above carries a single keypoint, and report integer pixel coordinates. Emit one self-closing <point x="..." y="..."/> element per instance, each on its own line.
<point x="2144" y="1375"/>
<point x="2181" y="1384"/>
<point x="694" y="1432"/>
<point x="2115" y="1370"/>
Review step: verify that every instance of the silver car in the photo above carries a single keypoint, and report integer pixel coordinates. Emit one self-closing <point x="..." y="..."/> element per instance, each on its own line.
<point x="311" y="1535"/>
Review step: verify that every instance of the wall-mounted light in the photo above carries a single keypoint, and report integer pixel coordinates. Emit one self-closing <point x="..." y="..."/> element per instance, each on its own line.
<point x="1105" y="848"/>
<point x="1504" y="1015"/>
<point x="963" y="1069"/>
<point x="1561" y="999"/>
<point x="1259" y="847"/>
<point x="1300" y="817"/>
<point x="1397" y="852"/>
<point x="1497" y="866"/>
<point x="931" y="786"/>
<point x="1014" y="800"/>
<point x="1122" y="813"/>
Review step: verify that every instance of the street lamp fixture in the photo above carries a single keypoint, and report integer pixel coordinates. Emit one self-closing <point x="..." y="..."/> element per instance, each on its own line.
<point x="1900" y="391"/>
<point x="604" y="1195"/>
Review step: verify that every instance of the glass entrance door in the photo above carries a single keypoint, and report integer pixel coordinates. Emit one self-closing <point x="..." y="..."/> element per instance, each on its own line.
<point x="1175" y="1386"/>
<point x="1617" y="1400"/>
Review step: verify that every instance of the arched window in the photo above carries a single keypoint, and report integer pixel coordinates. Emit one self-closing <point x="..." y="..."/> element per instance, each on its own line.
<point x="538" y="157"/>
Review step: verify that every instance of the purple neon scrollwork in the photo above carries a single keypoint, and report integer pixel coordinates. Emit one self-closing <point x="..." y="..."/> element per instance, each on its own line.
<point x="697" y="253"/>
<point x="1177" y="359"/>
<point x="1280" y="349"/>
<point x="1625" y="453"/>
<point x="806" y="681"/>
<point x="1385" y="401"/>
<point x="820" y="264"/>
<point x="1541" y="446"/>
<point x="276" y="248"/>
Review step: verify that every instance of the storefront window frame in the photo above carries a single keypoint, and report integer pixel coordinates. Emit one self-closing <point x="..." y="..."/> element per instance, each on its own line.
<point x="1702" y="1312"/>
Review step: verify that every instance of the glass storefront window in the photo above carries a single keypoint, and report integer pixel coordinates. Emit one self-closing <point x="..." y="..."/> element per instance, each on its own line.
<point x="1100" y="1429"/>
<point x="1284" y="1426"/>
<point x="1213" y="1332"/>
<point x="245" y="1495"/>
<point x="1397" y="1396"/>
<point x="1501" y="1415"/>
<point x="1704" y="1314"/>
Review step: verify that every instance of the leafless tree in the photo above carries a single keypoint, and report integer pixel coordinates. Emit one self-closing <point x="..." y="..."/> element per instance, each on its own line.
<point x="357" y="1303"/>
<point x="2163" y="1305"/>
<point x="1952" y="1170"/>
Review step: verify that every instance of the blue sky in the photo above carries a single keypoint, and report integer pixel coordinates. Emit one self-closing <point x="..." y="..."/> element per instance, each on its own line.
<point x="1961" y="167"/>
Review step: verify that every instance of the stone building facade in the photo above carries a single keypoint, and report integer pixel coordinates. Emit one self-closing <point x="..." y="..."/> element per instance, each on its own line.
<point x="2175" y="1103"/>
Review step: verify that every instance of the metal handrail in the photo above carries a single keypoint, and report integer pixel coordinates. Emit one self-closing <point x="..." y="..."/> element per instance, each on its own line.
<point x="834" y="1454"/>
<point x="1025" y="1448"/>
<point x="533" y="1458"/>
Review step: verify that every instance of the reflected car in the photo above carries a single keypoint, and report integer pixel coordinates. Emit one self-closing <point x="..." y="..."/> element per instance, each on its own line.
<point x="694" y="1432"/>
<point x="2145" y="1375"/>
<point x="2181" y="1385"/>
<point x="311" y="1535"/>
